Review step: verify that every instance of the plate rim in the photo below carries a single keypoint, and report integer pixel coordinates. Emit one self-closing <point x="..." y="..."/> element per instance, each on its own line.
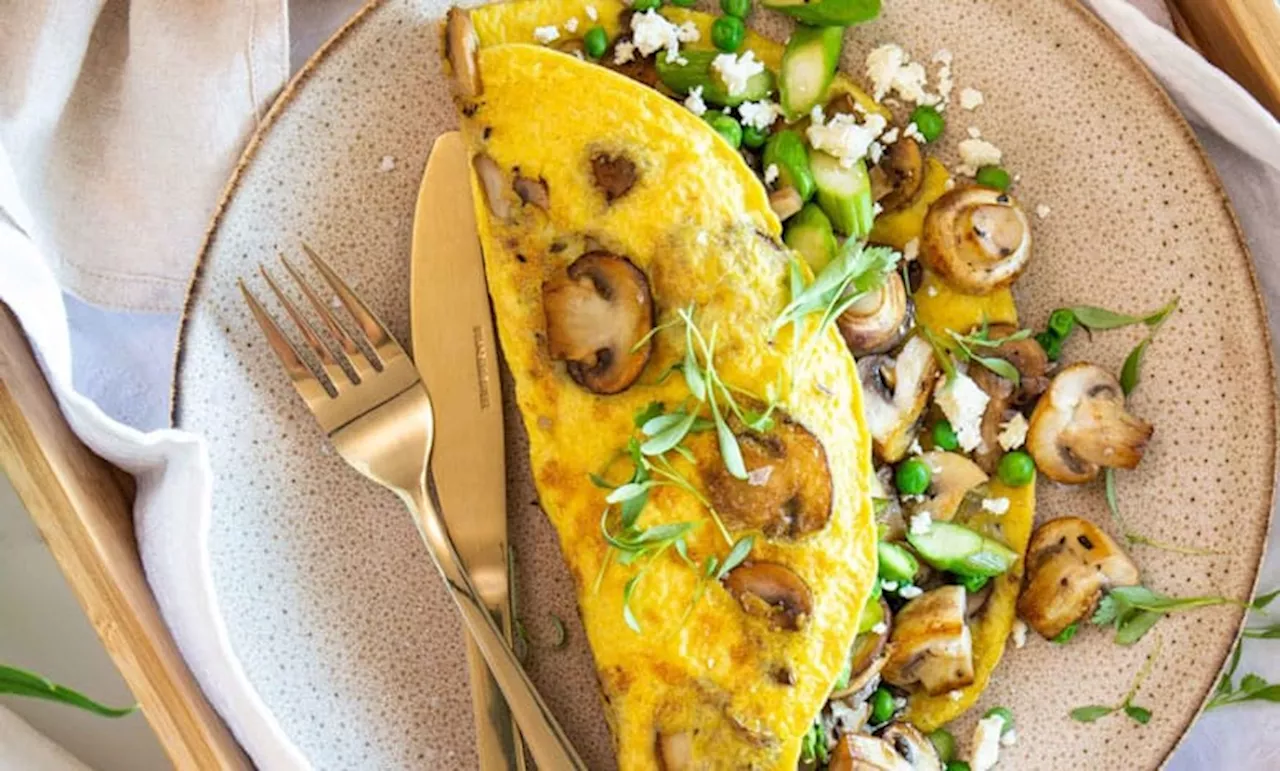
<point x="295" y="83"/>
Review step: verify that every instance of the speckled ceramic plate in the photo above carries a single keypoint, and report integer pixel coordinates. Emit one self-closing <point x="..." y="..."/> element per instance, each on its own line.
<point x="331" y="601"/>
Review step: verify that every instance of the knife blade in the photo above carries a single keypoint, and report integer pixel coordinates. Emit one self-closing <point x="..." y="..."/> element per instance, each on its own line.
<point x="455" y="352"/>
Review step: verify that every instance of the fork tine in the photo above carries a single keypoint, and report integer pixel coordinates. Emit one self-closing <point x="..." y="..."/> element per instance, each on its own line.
<point x="303" y="377"/>
<point x="331" y="364"/>
<point x="375" y="332"/>
<point x="361" y="364"/>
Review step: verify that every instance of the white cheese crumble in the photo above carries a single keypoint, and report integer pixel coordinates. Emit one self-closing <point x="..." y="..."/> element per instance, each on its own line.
<point x="975" y="132"/>
<point x="591" y="12"/>
<point x="915" y="448"/>
<point x="877" y="209"/>
<point x="880" y="628"/>
<point x="963" y="402"/>
<point x="899" y="702"/>
<point x="1019" y="633"/>
<point x="875" y="152"/>
<point x="949" y="185"/>
<point x="971" y="98"/>
<point x="910" y="592"/>
<point x="735" y="71"/>
<point x="547" y="34"/>
<point x="688" y="33"/>
<point x="891" y="70"/>
<point x="760" y="115"/>
<point x="843" y="137"/>
<point x="650" y="33"/>
<point x="976" y="153"/>
<point x="1013" y="432"/>
<point x="694" y="102"/>
<point x="771" y="174"/>
<point x="996" y="506"/>
<point x="1009" y="738"/>
<point x="388" y="163"/>
<point x="986" y="743"/>
<point x="911" y="250"/>
<point x="921" y="523"/>
<point x="624" y="52"/>
<point x="888" y="586"/>
<point x="912" y="131"/>
<point x="890" y="136"/>
<point x="1043" y="211"/>
<point x="571" y="25"/>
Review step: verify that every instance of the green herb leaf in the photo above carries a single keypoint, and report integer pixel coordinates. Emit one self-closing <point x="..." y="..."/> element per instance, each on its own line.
<point x="648" y="413"/>
<point x="1142" y="598"/>
<point x="1132" y="364"/>
<point x="941" y="352"/>
<point x="1271" y="632"/>
<point x="729" y="449"/>
<point x="1135" y="625"/>
<point x="1091" y="713"/>
<point x="1001" y="367"/>
<point x="627" y="615"/>
<point x="669" y="436"/>
<point x="740" y="551"/>
<point x="1140" y="714"/>
<point x="856" y="270"/>
<point x="562" y="635"/>
<point x="659" y="423"/>
<point x="20" y="682"/>
<point x="1263" y="600"/>
<point x="1099" y="319"/>
<point x="628" y="491"/>
<point x="1066" y="635"/>
<point x="1106" y="612"/>
<point x="600" y="481"/>
<point x="520" y="639"/>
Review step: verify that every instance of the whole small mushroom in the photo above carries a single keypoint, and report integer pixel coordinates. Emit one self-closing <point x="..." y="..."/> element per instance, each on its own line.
<point x="599" y="314"/>
<point x="878" y="321"/>
<point x="898" y="177"/>
<point x="913" y="746"/>
<point x="931" y="646"/>
<point x="860" y="752"/>
<point x="977" y="239"/>
<point x="1070" y="563"/>
<point x="951" y="477"/>
<point x="1080" y="425"/>
<point x="895" y="392"/>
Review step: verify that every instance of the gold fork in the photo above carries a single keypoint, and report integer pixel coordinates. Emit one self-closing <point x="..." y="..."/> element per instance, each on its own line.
<point x="368" y="399"/>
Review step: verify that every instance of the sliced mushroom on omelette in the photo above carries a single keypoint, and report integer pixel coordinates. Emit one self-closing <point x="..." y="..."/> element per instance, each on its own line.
<point x="636" y="274"/>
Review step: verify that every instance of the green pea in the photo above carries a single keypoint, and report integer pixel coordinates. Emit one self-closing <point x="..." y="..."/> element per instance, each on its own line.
<point x="1052" y="345"/>
<point x="640" y="6"/>
<point x="1062" y="323"/>
<point x="1016" y="469"/>
<point x="944" y="743"/>
<point x="754" y="137"/>
<point x="929" y="121"/>
<point x="993" y="176"/>
<point x="738" y="8"/>
<point x="912" y="477"/>
<point x="944" y="436"/>
<point x="1005" y="714"/>
<point x="972" y="584"/>
<point x="958" y="765"/>
<point x="725" y="126"/>
<point x="1066" y="634"/>
<point x="881" y="706"/>
<point x="728" y="32"/>
<point x="595" y="42"/>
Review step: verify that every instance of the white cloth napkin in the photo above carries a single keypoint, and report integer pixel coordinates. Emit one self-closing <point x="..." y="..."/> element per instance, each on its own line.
<point x="23" y="748"/>
<point x="173" y="479"/>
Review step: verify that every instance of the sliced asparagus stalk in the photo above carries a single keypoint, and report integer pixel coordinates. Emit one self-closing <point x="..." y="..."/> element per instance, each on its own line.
<point x="809" y="233"/>
<point x="808" y="65"/>
<point x="787" y="151"/>
<point x="697" y="71"/>
<point x="844" y="194"/>
<point x="829" y="13"/>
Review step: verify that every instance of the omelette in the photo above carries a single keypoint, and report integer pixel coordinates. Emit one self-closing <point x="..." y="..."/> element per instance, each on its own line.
<point x="637" y="275"/>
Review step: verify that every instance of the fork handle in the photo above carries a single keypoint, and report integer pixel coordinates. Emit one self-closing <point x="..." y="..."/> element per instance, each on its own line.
<point x="543" y="736"/>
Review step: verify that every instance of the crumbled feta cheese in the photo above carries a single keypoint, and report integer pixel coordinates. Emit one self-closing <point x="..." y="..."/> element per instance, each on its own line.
<point x="1043" y="211"/>
<point x="971" y="98"/>
<point x="975" y="132"/>
<point x="591" y="12"/>
<point x="1013" y="432"/>
<point x="976" y="153"/>
<point x="986" y="743"/>
<point x="571" y="25"/>
<point x="880" y="628"/>
<point x="921" y="523"/>
<point x="760" y="115"/>
<point x="888" y="586"/>
<point x="891" y="70"/>
<point x="996" y="506"/>
<point x="694" y="102"/>
<point x="963" y="402"/>
<point x="955" y="695"/>
<point x="735" y="71"/>
<point x="899" y="702"/>
<point x="650" y="33"/>
<point x="943" y="56"/>
<point x="771" y="174"/>
<point x="877" y="209"/>
<point x="910" y="592"/>
<point x="388" y="163"/>
<point x="624" y="52"/>
<point x="911" y="250"/>
<point x="912" y="131"/>
<point x="949" y="185"/>
<point x="844" y="138"/>
<point x="915" y="448"/>
<point x="547" y="34"/>
<point x="875" y="151"/>
<point x="890" y="136"/>
<point x="1018" y="633"/>
<point x="1009" y="738"/>
<point x="688" y="33"/>
<point x="932" y="291"/>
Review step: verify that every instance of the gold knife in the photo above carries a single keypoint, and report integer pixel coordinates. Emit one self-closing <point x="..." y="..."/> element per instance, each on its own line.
<point x="453" y="345"/>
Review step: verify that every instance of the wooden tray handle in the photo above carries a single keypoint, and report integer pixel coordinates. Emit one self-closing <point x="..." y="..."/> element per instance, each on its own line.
<point x="1242" y="37"/>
